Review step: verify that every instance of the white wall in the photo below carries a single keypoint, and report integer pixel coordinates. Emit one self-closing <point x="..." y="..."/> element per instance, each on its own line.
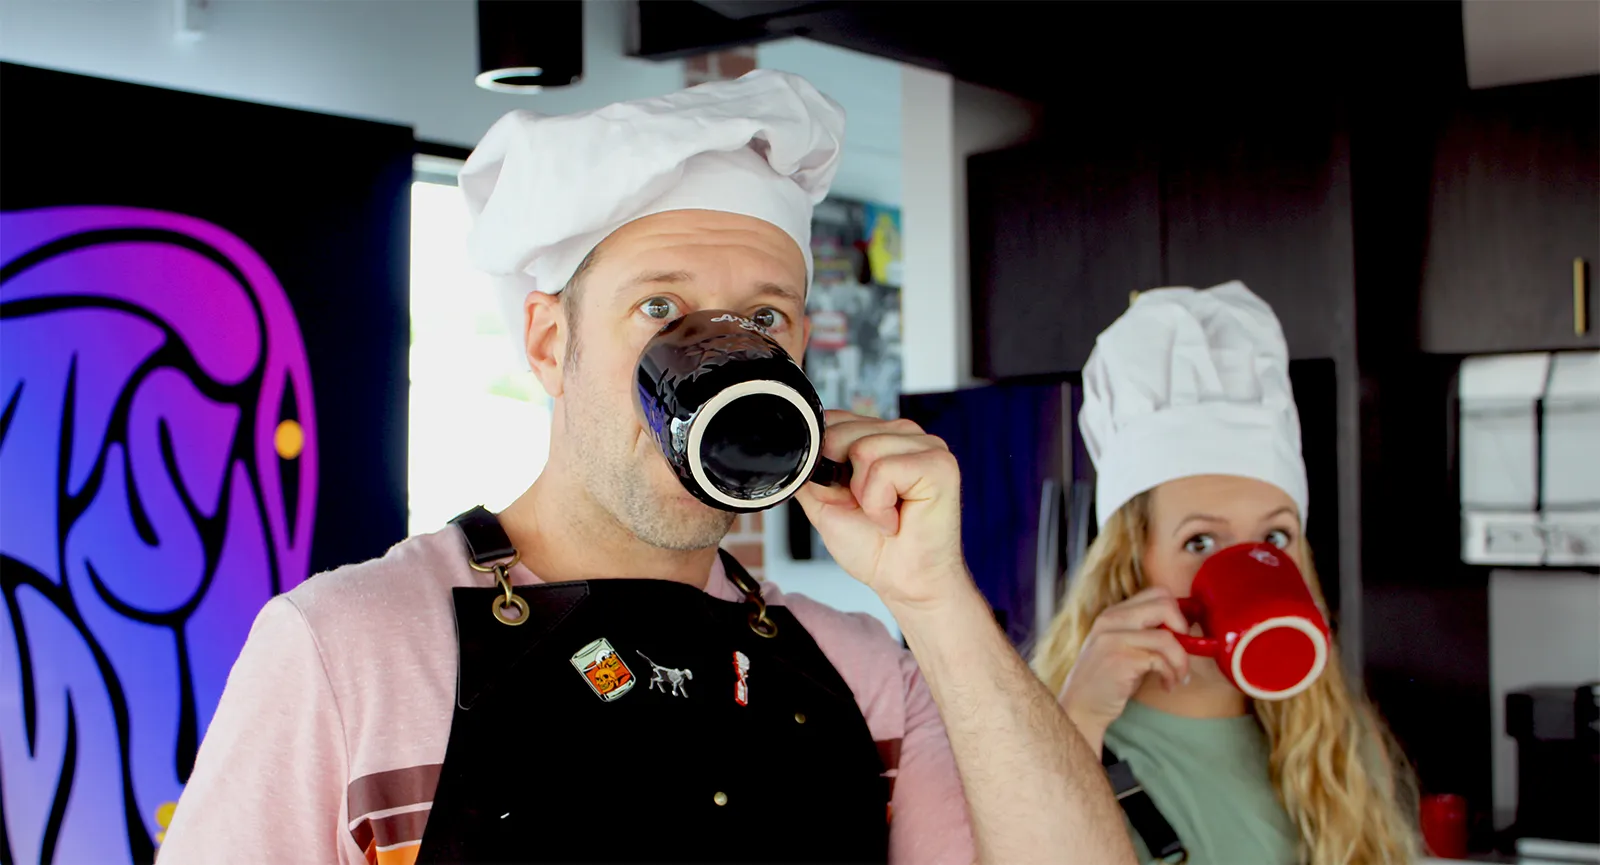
<point x="1513" y="41"/>
<point x="1544" y="629"/>
<point x="404" y="61"/>
<point x="943" y="122"/>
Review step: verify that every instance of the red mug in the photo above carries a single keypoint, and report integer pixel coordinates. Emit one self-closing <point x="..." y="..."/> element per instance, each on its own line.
<point x="1262" y="626"/>
<point x="1444" y="825"/>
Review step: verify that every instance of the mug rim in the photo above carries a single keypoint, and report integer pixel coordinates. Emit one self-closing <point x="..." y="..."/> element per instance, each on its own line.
<point x="1299" y="623"/>
<point x="719" y="401"/>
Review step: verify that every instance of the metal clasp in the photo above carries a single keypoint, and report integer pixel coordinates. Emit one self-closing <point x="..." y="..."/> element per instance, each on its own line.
<point x="759" y="622"/>
<point x="512" y="600"/>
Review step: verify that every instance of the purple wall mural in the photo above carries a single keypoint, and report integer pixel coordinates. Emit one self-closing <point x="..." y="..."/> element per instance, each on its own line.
<point x="158" y="461"/>
<point x="204" y="331"/>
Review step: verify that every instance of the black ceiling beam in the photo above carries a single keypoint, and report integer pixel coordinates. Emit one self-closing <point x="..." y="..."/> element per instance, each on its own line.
<point x="675" y="29"/>
<point x="1069" y="52"/>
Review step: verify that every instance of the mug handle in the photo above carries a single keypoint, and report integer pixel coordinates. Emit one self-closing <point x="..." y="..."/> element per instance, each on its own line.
<point x="1206" y="647"/>
<point x="830" y="473"/>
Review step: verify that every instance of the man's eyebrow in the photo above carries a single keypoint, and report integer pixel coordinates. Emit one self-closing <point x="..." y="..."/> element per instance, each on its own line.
<point x="772" y="289"/>
<point x="680" y="277"/>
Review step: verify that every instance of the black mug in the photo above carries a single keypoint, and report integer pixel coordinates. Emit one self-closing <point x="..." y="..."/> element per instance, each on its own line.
<point x="736" y="417"/>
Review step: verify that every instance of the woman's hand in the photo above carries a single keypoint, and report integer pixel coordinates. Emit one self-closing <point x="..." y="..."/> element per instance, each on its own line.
<point x="1125" y="644"/>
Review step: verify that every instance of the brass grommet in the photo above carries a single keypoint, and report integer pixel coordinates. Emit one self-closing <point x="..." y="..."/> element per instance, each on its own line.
<point x="721" y="798"/>
<point x="511" y="600"/>
<point x="762" y="625"/>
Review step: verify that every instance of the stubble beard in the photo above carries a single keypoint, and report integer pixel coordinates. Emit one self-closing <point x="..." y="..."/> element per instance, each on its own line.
<point x="694" y="527"/>
<point x="619" y="480"/>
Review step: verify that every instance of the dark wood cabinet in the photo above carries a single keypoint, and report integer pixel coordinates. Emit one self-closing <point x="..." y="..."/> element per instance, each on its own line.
<point x="1258" y="190"/>
<point x="1197" y="192"/>
<point x="1516" y="200"/>
<point x="1060" y="234"/>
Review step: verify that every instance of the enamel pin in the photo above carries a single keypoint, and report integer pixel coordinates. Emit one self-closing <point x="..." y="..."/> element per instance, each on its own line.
<point x="664" y="676"/>
<point x="741" y="687"/>
<point x="604" y="670"/>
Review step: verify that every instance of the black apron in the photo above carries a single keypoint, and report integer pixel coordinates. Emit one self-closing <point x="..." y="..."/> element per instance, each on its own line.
<point x="614" y="724"/>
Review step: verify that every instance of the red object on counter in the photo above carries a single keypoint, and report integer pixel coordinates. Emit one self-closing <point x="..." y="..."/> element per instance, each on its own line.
<point x="1444" y="825"/>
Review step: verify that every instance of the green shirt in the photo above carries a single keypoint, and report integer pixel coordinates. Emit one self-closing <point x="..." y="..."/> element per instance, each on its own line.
<point x="1209" y="778"/>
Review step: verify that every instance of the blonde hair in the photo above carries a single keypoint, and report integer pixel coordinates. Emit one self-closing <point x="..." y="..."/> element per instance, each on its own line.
<point x="1337" y="771"/>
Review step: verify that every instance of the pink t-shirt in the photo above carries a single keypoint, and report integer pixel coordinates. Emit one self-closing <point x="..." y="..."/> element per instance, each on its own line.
<point x="327" y="743"/>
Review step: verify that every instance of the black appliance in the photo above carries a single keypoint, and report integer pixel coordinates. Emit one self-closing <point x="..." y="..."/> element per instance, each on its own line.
<point x="1557" y="729"/>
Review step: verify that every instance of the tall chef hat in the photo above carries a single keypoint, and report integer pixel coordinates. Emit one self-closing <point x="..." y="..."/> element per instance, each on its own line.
<point x="1190" y="383"/>
<point x="545" y="190"/>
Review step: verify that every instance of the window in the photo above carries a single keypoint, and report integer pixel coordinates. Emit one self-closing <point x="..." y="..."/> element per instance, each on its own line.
<point x="480" y="422"/>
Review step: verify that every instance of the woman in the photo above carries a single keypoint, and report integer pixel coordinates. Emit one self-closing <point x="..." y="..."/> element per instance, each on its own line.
<point x="1192" y="428"/>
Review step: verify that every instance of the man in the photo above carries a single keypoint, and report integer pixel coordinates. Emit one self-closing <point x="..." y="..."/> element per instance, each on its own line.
<point x="359" y="725"/>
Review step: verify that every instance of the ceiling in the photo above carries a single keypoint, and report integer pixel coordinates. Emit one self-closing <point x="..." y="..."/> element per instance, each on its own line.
<point x="1067" y="51"/>
<point x="1513" y="41"/>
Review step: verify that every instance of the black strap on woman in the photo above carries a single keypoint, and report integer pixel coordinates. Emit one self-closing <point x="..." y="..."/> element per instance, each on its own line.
<point x="1158" y="834"/>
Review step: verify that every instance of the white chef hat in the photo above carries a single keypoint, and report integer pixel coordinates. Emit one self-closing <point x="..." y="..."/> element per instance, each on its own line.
<point x="1190" y="383"/>
<point x="545" y="190"/>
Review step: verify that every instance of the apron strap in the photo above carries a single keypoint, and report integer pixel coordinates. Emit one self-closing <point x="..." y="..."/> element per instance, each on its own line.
<point x="759" y="621"/>
<point x="1142" y="812"/>
<point x="486" y="539"/>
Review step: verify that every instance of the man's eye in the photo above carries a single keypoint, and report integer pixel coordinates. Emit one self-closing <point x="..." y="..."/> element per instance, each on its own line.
<point x="659" y="308"/>
<point x="1200" y="544"/>
<point x="769" y="318"/>
<point x="1278" y="538"/>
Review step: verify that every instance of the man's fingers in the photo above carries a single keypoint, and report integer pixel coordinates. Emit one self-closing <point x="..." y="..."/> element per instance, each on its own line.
<point x="845" y="429"/>
<point x="911" y="476"/>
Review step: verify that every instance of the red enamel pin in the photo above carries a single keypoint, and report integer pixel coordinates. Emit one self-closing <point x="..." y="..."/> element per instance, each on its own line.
<point x="741" y="687"/>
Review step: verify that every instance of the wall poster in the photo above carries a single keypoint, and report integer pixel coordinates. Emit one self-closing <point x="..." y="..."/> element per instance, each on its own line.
<point x="203" y="334"/>
<point x="854" y="357"/>
<point x="854" y="304"/>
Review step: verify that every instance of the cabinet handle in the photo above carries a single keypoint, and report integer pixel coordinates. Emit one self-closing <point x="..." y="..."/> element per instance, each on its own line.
<point x="1580" y="298"/>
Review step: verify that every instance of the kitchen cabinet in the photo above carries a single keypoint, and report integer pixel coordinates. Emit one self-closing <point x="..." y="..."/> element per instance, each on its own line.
<point x="1061" y="232"/>
<point x="1196" y="193"/>
<point x="1516" y="201"/>
<point x="1258" y="190"/>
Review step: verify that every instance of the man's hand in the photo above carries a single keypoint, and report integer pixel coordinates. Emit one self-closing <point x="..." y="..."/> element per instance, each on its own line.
<point x="897" y="528"/>
<point x="1035" y="792"/>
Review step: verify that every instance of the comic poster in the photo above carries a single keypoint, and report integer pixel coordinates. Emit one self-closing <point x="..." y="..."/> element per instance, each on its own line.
<point x="854" y="357"/>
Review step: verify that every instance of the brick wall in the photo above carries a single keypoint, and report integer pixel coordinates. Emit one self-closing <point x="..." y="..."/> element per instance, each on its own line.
<point x="744" y="542"/>
<point x="721" y="66"/>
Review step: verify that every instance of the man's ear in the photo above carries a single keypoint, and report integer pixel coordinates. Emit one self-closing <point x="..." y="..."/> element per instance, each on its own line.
<point x="545" y="339"/>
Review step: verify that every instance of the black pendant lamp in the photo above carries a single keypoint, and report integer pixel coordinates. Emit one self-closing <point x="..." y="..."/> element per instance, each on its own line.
<point x="525" y="46"/>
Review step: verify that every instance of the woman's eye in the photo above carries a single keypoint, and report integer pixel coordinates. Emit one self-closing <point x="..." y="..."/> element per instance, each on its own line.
<point x="1278" y="538"/>
<point x="659" y="308"/>
<point x="1200" y="544"/>
<point x="769" y="319"/>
